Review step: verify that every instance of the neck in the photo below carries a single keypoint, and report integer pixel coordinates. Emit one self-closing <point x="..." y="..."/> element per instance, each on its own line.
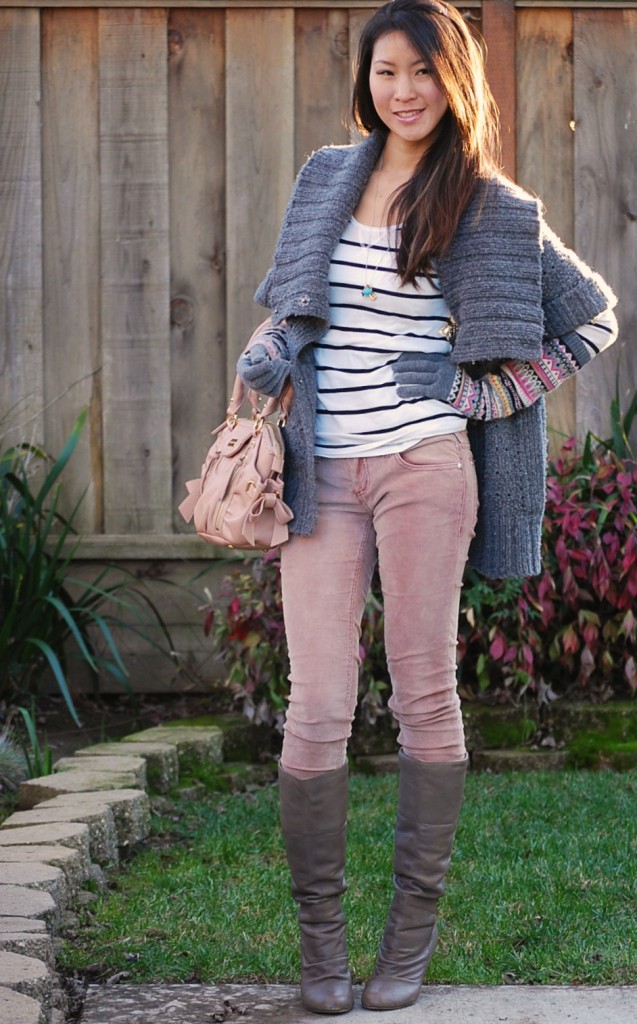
<point x="400" y="158"/>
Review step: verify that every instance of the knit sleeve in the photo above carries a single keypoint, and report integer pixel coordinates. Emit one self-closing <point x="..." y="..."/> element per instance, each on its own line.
<point x="572" y="292"/>
<point x="516" y="385"/>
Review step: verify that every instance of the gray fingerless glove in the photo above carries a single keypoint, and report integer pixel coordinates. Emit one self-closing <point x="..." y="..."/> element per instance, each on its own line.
<point x="266" y="375"/>
<point x="424" y="375"/>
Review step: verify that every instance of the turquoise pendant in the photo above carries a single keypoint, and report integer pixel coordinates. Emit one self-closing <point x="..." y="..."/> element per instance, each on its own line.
<point x="368" y="293"/>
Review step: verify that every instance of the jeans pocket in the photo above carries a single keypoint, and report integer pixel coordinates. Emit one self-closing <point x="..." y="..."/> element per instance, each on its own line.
<point x="434" y="453"/>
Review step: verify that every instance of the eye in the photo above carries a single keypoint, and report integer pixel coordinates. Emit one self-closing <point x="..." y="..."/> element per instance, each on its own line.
<point x="423" y="71"/>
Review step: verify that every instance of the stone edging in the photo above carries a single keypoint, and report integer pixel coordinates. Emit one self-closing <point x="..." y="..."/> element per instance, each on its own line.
<point x="69" y="827"/>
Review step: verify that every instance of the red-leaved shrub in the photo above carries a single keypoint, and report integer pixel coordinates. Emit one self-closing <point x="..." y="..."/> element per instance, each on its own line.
<point x="573" y="628"/>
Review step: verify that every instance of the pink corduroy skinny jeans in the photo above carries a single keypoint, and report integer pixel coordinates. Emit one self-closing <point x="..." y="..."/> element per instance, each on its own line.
<point x="414" y="512"/>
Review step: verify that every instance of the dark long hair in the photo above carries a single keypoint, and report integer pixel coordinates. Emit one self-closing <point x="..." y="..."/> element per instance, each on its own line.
<point x="466" y="146"/>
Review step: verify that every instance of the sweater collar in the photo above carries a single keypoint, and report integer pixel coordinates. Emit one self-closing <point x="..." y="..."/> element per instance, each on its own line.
<point x="326" y="194"/>
<point x="493" y="289"/>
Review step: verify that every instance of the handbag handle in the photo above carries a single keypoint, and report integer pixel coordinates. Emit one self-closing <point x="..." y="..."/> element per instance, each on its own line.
<point x="281" y="404"/>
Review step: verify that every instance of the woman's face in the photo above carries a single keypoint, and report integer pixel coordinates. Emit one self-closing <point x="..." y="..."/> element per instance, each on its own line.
<point x="404" y="92"/>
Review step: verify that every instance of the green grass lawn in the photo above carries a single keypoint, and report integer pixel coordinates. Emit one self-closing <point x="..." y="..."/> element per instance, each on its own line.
<point x="543" y="888"/>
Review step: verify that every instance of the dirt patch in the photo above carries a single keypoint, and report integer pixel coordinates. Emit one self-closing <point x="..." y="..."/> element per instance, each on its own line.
<point x="111" y="717"/>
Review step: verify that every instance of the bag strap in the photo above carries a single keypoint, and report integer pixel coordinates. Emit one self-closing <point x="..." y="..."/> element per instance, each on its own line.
<point x="239" y="395"/>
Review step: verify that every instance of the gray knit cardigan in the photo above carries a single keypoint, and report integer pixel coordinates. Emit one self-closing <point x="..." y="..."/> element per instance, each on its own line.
<point x="508" y="281"/>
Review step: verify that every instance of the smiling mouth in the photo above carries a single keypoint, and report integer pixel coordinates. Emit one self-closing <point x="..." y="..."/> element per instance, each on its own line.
<point x="408" y="113"/>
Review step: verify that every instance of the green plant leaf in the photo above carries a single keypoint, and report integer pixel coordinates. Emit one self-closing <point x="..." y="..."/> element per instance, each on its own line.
<point x="62" y="458"/>
<point x="56" y="668"/>
<point x="73" y="627"/>
<point x="102" y="625"/>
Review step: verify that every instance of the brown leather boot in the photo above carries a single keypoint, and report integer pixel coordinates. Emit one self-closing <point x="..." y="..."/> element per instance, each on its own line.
<point x="314" y="823"/>
<point x="429" y="802"/>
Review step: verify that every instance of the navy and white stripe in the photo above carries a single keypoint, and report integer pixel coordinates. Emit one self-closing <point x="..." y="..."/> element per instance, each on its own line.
<point x="359" y="411"/>
<point x="599" y="334"/>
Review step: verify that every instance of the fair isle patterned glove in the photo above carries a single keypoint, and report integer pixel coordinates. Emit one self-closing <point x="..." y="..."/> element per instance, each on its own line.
<point x="425" y="375"/>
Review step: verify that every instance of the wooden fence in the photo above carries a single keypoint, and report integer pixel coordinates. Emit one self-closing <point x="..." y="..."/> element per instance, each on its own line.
<point x="146" y="155"/>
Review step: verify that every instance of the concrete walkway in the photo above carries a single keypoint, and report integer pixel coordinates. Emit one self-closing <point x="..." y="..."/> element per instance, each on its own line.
<point x="439" y="1004"/>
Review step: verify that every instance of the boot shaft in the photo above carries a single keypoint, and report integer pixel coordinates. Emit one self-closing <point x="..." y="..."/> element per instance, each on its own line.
<point x="314" y="825"/>
<point x="429" y="803"/>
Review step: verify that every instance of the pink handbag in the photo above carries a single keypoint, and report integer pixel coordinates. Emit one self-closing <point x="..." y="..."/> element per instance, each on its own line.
<point x="238" y="500"/>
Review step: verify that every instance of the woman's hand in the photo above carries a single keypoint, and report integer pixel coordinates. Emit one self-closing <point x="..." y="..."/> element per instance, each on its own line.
<point x="424" y="375"/>
<point x="263" y="367"/>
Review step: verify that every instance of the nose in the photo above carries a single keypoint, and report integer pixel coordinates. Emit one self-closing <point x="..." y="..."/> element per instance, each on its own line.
<point x="404" y="87"/>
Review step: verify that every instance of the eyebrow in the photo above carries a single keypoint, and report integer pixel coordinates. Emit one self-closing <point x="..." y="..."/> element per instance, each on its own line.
<point x="391" y="63"/>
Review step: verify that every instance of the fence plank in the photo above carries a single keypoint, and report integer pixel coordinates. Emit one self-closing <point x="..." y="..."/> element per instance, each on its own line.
<point x="498" y="29"/>
<point x="545" y="111"/>
<point x="168" y="584"/>
<point x="197" y="237"/>
<point x="21" y="365"/>
<point x="606" y="194"/>
<point x="260" y="155"/>
<point x="70" y="177"/>
<point x="545" y="145"/>
<point x="135" y="276"/>
<point x="356" y="21"/>
<point x="322" y="84"/>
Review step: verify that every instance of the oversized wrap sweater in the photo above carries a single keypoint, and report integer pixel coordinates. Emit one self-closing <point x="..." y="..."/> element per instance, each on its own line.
<point x="508" y="281"/>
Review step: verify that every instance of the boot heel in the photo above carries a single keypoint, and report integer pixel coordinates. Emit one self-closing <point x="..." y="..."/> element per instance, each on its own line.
<point x="388" y="991"/>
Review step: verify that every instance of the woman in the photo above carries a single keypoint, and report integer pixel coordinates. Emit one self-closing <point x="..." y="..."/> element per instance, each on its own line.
<point x="414" y="292"/>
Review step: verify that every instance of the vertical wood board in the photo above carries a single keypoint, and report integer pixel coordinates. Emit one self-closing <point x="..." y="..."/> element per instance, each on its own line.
<point x="70" y="178"/>
<point x="197" y="238"/>
<point x="259" y="154"/>
<point x="498" y="30"/>
<point x="21" y="374"/>
<point x="545" y="147"/>
<point x="606" y="196"/>
<point x="357" y="20"/>
<point x="322" y="81"/>
<point x="168" y="584"/>
<point x="545" y="137"/>
<point x="135" y="270"/>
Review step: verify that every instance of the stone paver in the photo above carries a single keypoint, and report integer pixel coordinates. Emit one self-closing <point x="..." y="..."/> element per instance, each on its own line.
<point x="27" y="975"/>
<point x="131" y="810"/>
<point x="518" y="760"/>
<point x="27" y="935"/>
<point x="438" y="1004"/>
<point x="32" y="944"/>
<point x="65" y="857"/>
<point x="35" y="791"/>
<point x="18" y="1009"/>
<point x="73" y="834"/>
<point x="103" y="838"/>
<point x="198" y="743"/>
<point x="45" y="877"/>
<point x="120" y="765"/>
<point x="20" y="901"/>
<point x="162" y="766"/>
<point x="9" y="925"/>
